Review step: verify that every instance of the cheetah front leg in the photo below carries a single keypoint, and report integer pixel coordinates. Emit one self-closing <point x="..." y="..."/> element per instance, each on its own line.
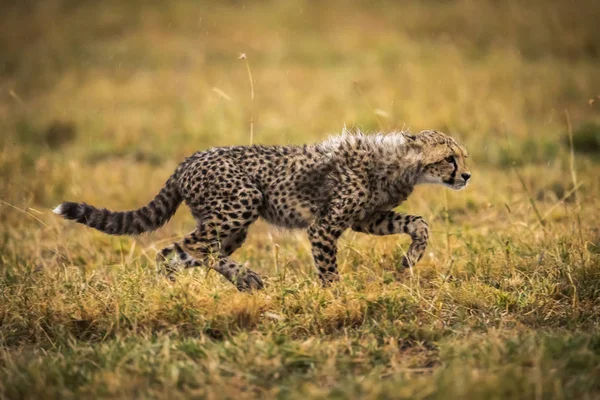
<point x="389" y="223"/>
<point x="323" y="239"/>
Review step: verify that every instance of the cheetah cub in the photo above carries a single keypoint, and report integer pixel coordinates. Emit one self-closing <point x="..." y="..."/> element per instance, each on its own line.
<point x="349" y="181"/>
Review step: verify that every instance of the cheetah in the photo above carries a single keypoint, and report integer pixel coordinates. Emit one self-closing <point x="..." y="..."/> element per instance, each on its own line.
<point x="351" y="181"/>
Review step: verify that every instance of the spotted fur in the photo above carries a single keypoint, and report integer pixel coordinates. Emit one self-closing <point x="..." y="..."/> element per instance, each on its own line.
<point x="351" y="181"/>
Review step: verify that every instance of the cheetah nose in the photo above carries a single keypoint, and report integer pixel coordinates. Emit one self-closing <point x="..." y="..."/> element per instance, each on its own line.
<point x="466" y="176"/>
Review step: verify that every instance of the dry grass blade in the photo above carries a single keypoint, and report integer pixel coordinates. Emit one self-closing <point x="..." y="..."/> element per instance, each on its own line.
<point x="24" y="212"/>
<point x="245" y="58"/>
<point x="529" y="197"/>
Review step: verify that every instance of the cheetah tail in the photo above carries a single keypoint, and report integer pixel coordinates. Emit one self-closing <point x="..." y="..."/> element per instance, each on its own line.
<point x="146" y="219"/>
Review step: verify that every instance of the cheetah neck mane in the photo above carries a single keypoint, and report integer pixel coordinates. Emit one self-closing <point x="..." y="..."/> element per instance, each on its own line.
<point x="394" y="157"/>
<point x="386" y="147"/>
<point x="359" y="140"/>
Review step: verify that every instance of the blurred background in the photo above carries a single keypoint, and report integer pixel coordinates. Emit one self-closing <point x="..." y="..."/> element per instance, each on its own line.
<point x="101" y="99"/>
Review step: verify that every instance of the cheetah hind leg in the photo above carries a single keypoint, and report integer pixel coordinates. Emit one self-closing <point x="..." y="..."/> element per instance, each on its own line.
<point x="244" y="278"/>
<point x="172" y="259"/>
<point x="214" y="254"/>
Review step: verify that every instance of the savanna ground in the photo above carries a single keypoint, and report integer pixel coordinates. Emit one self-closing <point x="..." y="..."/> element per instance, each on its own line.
<point x="99" y="101"/>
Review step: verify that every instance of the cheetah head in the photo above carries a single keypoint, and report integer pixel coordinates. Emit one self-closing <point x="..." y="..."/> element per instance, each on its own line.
<point x="443" y="160"/>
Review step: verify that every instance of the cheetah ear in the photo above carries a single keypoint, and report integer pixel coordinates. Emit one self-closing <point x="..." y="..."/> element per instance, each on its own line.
<point x="421" y="136"/>
<point x="426" y="132"/>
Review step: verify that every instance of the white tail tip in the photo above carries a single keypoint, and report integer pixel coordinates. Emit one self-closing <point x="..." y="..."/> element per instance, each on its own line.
<point x="58" y="210"/>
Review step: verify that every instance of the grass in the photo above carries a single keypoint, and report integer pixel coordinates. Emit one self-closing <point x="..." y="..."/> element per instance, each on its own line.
<point x="99" y="101"/>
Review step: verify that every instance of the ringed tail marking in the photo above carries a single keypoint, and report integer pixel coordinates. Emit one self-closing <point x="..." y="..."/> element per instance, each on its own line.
<point x="146" y="219"/>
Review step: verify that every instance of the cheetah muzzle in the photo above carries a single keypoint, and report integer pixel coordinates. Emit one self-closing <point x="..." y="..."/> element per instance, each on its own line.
<point x="351" y="181"/>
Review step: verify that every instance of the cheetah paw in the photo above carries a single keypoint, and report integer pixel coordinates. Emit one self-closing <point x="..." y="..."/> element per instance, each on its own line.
<point x="406" y="263"/>
<point x="248" y="281"/>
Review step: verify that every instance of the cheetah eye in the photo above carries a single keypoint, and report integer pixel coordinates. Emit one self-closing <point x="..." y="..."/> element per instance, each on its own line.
<point x="450" y="159"/>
